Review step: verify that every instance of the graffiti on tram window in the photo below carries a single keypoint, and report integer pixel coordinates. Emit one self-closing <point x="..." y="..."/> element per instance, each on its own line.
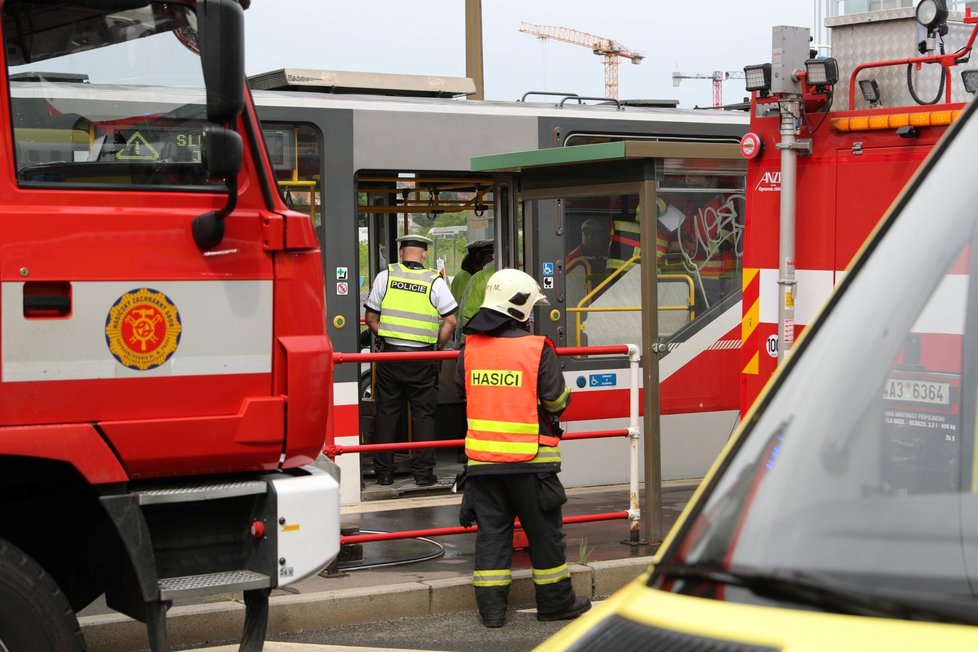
<point x="714" y="238"/>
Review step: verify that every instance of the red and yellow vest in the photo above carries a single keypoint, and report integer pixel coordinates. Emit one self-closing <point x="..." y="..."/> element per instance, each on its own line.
<point x="501" y="386"/>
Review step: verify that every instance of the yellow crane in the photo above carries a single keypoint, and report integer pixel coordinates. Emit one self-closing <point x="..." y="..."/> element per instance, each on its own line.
<point x="717" y="76"/>
<point x="608" y="48"/>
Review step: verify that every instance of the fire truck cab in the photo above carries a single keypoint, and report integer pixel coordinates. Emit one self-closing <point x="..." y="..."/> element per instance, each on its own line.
<point x="165" y="373"/>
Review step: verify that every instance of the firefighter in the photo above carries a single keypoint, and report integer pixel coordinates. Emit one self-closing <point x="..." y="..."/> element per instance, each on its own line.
<point x="403" y="308"/>
<point x="515" y="392"/>
<point x="593" y="249"/>
<point x="626" y="236"/>
<point x="480" y="253"/>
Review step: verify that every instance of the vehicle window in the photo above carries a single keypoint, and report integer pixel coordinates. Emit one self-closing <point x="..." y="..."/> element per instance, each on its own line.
<point x="295" y="152"/>
<point x="698" y="251"/>
<point x="108" y="98"/>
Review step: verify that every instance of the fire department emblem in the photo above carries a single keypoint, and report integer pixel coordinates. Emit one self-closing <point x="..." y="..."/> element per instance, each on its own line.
<point x="143" y="329"/>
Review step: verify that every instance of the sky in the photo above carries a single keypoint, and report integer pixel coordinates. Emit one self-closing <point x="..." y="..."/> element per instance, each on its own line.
<point x="427" y="37"/>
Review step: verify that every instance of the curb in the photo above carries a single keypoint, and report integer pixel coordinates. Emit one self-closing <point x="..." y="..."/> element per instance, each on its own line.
<point x="203" y="624"/>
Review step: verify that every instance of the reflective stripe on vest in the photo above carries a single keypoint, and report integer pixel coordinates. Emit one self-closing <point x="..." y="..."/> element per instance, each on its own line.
<point x="501" y="379"/>
<point x="406" y="312"/>
<point x="628" y="238"/>
<point x="545" y="454"/>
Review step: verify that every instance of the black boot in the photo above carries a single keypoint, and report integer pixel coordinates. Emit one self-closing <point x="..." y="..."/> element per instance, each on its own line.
<point x="494" y="621"/>
<point x="573" y="610"/>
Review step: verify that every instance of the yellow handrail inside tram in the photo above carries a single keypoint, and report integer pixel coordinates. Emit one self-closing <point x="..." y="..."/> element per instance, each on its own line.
<point x="579" y="326"/>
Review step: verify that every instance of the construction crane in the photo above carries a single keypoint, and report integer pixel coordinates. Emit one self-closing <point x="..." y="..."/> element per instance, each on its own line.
<point x="608" y="48"/>
<point x="718" y="76"/>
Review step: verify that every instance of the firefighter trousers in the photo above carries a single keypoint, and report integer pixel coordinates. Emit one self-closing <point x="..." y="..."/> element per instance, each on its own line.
<point x="536" y="499"/>
<point x="418" y="382"/>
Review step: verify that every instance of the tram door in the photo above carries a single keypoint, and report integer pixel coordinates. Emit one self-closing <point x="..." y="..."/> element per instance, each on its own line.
<point x="453" y="210"/>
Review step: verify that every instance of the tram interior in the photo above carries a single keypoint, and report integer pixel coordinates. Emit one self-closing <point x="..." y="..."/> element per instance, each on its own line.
<point x="699" y="226"/>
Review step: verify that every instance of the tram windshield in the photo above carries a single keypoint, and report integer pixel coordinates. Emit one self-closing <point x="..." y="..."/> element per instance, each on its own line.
<point x="857" y="474"/>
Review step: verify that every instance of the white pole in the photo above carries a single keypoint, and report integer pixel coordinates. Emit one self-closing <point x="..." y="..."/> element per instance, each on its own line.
<point x="634" y="511"/>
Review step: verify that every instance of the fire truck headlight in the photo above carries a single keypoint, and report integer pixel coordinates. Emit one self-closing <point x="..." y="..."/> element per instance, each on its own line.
<point x="970" y="79"/>
<point x="821" y="72"/>
<point x="870" y="90"/>
<point x="758" y="78"/>
<point x="931" y="13"/>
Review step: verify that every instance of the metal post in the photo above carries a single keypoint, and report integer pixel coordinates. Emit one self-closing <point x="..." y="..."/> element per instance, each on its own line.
<point x="790" y="107"/>
<point x="473" y="46"/>
<point x="650" y="367"/>
<point x="634" y="509"/>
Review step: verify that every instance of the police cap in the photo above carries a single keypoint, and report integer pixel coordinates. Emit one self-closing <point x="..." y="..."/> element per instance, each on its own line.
<point x="414" y="240"/>
<point x="477" y="245"/>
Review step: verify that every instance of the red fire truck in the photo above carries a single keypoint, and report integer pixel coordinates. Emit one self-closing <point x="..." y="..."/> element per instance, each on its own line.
<point x="164" y="367"/>
<point x="831" y="144"/>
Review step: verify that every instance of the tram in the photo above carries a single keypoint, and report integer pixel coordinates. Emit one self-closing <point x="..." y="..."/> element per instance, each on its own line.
<point x="374" y="156"/>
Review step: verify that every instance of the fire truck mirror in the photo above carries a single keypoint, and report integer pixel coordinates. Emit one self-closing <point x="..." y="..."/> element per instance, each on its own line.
<point x="221" y="27"/>
<point x="223" y="152"/>
<point x="222" y="157"/>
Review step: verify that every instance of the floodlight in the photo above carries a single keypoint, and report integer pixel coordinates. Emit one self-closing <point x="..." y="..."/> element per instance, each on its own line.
<point x="970" y="79"/>
<point x="931" y="13"/>
<point x="758" y="78"/>
<point x="870" y="90"/>
<point x="821" y="72"/>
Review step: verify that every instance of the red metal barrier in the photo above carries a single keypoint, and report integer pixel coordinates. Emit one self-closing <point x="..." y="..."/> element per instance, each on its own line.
<point x="332" y="450"/>
<point x="632" y="513"/>
<point x="444" y="531"/>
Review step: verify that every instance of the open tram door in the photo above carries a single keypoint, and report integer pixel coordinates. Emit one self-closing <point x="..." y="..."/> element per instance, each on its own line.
<point x="453" y="209"/>
<point x="604" y="225"/>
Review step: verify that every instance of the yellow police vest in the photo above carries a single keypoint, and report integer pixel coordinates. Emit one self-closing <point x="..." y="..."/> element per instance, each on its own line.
<point x="406" y="312"/>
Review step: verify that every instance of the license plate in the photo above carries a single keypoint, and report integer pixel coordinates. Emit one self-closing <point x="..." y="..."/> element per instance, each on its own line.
<point x="908" y="390"/>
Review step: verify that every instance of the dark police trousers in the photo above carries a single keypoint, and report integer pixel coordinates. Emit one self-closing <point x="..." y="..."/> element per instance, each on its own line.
<point x="536" y="498"/>
<point x="418" y="381"/>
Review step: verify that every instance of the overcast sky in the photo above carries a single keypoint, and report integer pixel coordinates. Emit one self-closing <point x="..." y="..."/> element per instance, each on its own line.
<point x="427" y="37"/>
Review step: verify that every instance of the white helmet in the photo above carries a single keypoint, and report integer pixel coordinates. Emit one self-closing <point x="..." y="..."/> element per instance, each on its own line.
<point x="513" y="293"/>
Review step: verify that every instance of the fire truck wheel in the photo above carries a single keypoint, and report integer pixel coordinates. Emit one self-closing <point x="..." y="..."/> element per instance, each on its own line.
<point x="35" y="614"/>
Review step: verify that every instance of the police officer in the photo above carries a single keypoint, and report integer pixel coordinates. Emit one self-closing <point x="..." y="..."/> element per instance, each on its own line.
<point x="480" y="254"/>
<point x="515" y="391"/>
<point x="403" y="307"/>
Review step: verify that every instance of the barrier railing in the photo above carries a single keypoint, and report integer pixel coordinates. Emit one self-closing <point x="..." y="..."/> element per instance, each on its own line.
<point x="633" y="513"/>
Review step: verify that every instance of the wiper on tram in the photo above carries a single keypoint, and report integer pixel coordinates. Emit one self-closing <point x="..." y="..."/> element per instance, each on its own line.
<point x="823" y="592"/>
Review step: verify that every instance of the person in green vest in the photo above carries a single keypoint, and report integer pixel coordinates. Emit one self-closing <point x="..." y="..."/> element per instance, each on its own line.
<point x="472" y="298"/>
<point x="480" y="253"/>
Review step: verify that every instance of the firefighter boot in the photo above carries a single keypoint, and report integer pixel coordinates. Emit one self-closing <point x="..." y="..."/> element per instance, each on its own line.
<point x="575" y="609"/>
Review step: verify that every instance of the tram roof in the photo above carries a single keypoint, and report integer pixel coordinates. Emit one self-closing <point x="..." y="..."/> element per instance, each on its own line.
<point x="622" y="150"/>
<point x="342" y="81"/>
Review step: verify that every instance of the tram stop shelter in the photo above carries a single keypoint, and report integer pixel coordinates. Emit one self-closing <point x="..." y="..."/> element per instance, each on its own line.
<point x="544" y="196"/>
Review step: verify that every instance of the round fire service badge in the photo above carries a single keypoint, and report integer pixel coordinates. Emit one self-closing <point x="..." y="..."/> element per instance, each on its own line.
<point x="143" y="329"/>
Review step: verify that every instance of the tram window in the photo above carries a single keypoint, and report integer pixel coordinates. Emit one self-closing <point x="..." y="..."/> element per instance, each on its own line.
<point x="295" y="152"/>
<point x="700" y="237"/>
<point x="698" y="250"/>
